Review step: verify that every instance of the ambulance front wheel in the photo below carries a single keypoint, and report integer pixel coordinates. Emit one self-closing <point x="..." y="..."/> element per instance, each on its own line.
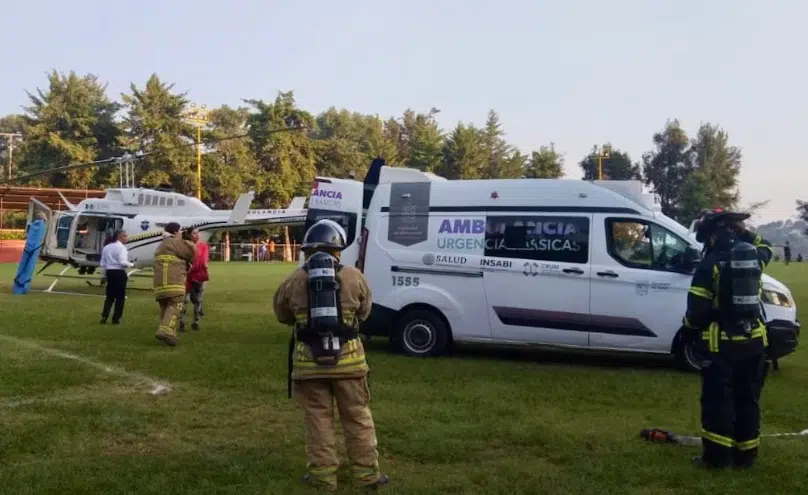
<point x="687" y="357"/>
<point x="421" y="333"/>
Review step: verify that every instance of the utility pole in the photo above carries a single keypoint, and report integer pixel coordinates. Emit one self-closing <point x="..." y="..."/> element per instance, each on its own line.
<point x="600" y="154"/>
<point x="198" y="117"/>
<point x="10" y="136"/>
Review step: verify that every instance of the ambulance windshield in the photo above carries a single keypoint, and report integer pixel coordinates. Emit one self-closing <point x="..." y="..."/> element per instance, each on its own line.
<point x="346" y="219"/>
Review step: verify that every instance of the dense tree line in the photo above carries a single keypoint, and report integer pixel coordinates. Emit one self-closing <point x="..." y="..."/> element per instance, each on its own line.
<point x="74" y="121"/>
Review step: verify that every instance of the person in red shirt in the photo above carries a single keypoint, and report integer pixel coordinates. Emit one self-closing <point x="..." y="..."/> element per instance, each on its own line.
<point x="196" y="281"/>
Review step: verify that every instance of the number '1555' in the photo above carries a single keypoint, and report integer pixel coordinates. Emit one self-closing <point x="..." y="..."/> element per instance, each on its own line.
<point x="405" y="281"/>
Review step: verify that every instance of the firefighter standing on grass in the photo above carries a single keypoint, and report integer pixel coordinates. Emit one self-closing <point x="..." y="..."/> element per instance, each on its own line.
<point x="325" y="302"/>
<point x="724" y="316"/>
<point x="171" y="261"/>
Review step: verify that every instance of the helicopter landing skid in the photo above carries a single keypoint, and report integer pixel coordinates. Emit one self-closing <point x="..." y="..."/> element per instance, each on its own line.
<point x="63" y="275"/>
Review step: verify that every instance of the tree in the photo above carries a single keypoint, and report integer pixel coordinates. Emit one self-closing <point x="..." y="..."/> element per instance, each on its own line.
<point x="287" y="161"/>
<point x="73" y="121"/>
<point x="667" y="167"/>
<point x="339" y="136"/>
<point x="154" y="124"/>
<point x="546" y="163"/>
<point x="503" y="161"/>
<point x="464" y="154"/>
<point x="617" y="166"/>
<point x="346" y="142"/>
<point x="802" y="211"/>
<point x="231" y="163"/>
<point x="424" y="140"/>
<point x="719" y="163"/>
<point x="694" y="197"/>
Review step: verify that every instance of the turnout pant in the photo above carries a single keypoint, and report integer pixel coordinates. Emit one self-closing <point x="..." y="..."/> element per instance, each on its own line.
<point x="352" y="397"/>
<point x="730" y="409"/>
<point x="170" y="311"/>
<point x="116" y="293"/>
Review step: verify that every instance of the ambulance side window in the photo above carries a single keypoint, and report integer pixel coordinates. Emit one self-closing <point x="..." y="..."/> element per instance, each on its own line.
<point x="557" y="238"/>
<point x="637" y="243"/>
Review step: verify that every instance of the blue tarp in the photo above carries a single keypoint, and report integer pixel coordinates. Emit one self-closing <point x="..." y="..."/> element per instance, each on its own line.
<point x="30" y="255"/>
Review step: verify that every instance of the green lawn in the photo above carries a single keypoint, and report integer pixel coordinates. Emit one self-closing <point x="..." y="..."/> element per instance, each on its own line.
<point x="475" y="422"/>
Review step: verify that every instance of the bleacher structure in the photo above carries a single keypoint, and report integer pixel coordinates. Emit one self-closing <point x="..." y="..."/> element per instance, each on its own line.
<point x="17" y="198"/>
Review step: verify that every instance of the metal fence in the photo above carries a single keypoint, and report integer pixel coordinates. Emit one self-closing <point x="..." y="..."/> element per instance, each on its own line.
<point x="254" y="252"/>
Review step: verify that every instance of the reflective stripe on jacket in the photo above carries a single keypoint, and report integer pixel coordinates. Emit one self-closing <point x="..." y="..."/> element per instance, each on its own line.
<point x="170" y="267"/>
<point x="291" y="307"/>
<point x="702" y="300"/>
<point x="352" y="362"/>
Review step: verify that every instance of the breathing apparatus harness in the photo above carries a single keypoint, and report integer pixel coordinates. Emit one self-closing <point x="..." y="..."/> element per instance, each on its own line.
<point x="325" y="330"/>
<point x="739" y="274"/>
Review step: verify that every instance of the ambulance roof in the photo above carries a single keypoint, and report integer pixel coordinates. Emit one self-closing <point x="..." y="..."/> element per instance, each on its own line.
<point x="568" y="194"/>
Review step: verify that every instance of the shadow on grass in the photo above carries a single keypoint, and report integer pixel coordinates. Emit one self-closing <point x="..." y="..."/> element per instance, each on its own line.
<point x="537" y="354"/>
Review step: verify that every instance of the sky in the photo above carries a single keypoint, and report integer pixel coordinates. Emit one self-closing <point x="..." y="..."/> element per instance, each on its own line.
<point x="573" y="73"/>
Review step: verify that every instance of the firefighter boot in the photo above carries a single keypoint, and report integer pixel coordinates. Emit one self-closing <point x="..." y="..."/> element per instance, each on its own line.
<point x="700" y="462"/>
<point x="383" y="480"/>
<point x="308" y="479"/>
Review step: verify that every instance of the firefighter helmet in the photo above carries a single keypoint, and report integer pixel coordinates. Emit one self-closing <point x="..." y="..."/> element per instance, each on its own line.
<point x="324" y="235"/>
<point x="709" y="220"/>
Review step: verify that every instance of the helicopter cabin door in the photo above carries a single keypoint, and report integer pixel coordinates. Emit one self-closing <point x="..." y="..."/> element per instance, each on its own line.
<point x="90" y="234"/>
<point x="36" y="207"/>
<point x="59" y="226"/>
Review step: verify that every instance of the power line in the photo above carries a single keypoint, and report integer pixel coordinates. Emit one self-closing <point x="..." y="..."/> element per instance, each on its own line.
<point x="131" y="158"/>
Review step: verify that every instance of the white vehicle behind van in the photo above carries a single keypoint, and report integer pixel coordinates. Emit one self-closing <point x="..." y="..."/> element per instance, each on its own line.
<point x="563" y="263"/>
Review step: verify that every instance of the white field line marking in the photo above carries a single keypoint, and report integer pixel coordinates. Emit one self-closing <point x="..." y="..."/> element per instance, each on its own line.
<point x="157" y="388"/>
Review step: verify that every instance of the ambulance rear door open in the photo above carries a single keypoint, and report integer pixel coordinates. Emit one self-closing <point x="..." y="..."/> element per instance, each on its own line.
<point x="339" y="200"/>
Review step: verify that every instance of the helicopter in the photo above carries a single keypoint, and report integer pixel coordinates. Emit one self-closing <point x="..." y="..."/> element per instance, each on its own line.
<point x="75" y="237"/>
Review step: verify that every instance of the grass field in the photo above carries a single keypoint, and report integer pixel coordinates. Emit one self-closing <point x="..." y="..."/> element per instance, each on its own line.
<point x="492" y="422"/>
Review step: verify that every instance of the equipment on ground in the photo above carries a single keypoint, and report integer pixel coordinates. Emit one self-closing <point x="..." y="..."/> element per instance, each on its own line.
<point x="658" y="435"/>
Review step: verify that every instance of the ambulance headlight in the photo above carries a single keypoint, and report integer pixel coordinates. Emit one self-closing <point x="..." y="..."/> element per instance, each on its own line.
<point x="776" y="298"/>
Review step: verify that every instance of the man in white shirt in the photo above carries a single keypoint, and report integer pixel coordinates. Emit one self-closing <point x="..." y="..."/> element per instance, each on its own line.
<point x="114" y="259"/>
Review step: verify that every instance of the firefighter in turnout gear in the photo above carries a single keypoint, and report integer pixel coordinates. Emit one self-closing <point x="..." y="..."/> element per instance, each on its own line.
<point x="325" y="302"/>
<point x="171" y="261"/>
<point x="724" y="320"/>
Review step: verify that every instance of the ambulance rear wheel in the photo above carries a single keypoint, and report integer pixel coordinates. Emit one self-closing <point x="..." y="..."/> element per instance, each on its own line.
<point x="421" y="333"/>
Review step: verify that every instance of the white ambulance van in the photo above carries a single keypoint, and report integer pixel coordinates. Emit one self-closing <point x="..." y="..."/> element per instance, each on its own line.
<point x="338" y="200"/>
<point x="563" y="263"/>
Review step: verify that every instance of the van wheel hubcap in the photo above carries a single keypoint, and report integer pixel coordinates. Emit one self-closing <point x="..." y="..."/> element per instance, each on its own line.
<point x="419" y="336"/>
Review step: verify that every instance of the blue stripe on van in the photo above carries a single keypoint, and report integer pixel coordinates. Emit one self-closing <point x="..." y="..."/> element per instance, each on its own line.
<point x="546" y="209"/>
